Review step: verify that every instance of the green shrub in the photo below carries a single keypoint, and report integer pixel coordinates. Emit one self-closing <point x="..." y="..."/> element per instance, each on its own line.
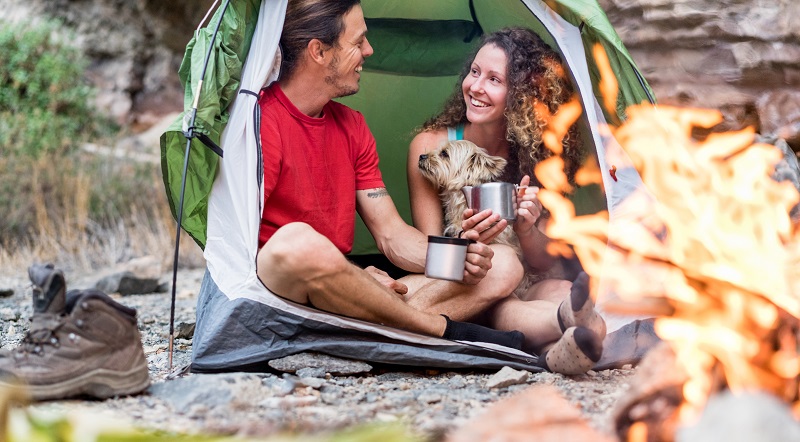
<point x="44" y="97"/>
<point x="49" y="187"/>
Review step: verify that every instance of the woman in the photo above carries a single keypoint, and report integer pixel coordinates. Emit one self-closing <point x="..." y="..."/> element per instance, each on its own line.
<point x="513" y="73"/>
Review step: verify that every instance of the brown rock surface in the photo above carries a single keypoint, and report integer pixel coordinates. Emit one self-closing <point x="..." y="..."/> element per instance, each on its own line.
<point x="741" y="57"/>
<point x="539" y="413"/>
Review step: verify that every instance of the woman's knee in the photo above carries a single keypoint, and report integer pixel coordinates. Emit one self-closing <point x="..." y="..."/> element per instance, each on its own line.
<point x="506" y="272"/>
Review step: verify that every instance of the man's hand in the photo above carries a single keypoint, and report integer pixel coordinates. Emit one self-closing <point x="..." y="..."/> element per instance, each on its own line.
<point x="479" y="259"/>
<point x="382" y="277"/>
<point x="529" y="208"/>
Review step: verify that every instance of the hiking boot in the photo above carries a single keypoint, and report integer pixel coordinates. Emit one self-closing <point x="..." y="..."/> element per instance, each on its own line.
<point x="79" y="343"/>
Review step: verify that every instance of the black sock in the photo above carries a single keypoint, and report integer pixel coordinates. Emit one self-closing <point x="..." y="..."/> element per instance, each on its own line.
<point x="465" y="331"/>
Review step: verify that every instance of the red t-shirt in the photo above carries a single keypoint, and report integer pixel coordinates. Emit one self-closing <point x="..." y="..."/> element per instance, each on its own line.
<point x="313" y="167"/>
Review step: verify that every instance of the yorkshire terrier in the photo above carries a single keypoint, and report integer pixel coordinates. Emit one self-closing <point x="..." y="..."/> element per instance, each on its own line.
<point x="462" y="163"/>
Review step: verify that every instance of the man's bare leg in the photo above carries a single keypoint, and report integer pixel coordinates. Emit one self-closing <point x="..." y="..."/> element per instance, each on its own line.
<point x="299" y="264"/>
<point x="463" y="302"/>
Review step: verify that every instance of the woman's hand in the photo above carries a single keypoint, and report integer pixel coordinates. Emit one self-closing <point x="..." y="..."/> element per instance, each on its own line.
<point x="529" y="208"/>
<point x="479" y="259"/>
<point x="382" y="277"/>
<point x="485" y="224"/>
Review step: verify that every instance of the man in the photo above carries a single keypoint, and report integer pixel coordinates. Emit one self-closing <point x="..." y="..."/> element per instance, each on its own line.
<point x="321" y="165"/>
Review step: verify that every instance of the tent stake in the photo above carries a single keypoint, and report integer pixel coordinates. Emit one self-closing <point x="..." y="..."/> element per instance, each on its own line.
<point x="189" y="134"/>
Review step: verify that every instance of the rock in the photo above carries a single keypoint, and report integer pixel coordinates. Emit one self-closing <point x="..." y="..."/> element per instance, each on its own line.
<point x="7" y="314"/>
<point x="147" y="266"/>
<point x="457" y="382"/>
<point x="627" y="345"/>
<point x="654" y="397"/>
<point x="314" y="383"/>
<point x="507" y="376"/>
<point x="743" y="417"/>
<point x="6" y="293"/>
<point x="208" y="390"/>
<point x="779" y="112"/>
<point x="539" y="413"/>
<point x="184" y="330"/>
<point x="330" y="364"/>
<point x="288" y="401"/>
<point x="430" y="397"/>
<point x="280" y="386"/>
<point x="731" y="56"/>
<point x="126" y="283"/>
<point x="309" y="372"/>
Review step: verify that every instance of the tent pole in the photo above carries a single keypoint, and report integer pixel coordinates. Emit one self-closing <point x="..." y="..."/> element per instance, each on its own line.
<point x="644" y="86"/>
<point x="189" y="134"/>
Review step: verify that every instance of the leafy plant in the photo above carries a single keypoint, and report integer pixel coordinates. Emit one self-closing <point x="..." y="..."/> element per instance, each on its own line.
<point x="44" y="97"/>
<point x="53" y="194"/>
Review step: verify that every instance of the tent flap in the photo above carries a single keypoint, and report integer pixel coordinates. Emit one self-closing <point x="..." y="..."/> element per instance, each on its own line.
<point x="220" y="82"/>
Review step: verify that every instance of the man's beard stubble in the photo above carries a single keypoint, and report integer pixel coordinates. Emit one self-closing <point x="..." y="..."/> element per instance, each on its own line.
<point x="334" y="79"/>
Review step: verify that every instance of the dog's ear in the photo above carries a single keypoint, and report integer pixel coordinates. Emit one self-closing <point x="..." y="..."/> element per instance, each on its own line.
<point x="492" y="164"/>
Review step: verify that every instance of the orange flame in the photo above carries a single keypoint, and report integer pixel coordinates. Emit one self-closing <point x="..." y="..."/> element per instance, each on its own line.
<point x="608" y="83"/>
<point x="707" y="246"/>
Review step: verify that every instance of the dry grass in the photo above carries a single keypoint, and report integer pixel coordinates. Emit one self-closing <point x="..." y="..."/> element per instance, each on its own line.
<point x="64" y="228"/>
<point x="102" y="247"/>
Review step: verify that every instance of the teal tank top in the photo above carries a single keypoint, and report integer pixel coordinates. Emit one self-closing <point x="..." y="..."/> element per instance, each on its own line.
<point x="455" y="133"/>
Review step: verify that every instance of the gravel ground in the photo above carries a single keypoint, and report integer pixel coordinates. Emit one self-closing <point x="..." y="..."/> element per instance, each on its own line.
<point x="428" y="402"/>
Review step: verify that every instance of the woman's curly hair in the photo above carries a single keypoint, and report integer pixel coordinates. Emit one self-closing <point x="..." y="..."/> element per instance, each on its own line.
<point x="535" y="77"/>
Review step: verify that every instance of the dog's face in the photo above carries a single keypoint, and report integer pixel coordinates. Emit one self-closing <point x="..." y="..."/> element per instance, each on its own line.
<point x="460" y="163"/>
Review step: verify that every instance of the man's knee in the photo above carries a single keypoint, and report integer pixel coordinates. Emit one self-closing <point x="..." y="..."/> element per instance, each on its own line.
<point x="298" y="249"/>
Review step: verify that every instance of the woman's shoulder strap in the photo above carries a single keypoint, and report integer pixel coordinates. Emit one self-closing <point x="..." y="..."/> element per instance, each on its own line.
<point x="455" y="133"/>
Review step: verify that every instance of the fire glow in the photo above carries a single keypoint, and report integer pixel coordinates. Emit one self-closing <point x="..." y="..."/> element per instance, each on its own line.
<point x="707" y="247"/>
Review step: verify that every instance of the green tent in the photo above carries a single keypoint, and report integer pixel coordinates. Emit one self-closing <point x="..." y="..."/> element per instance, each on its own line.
<point x="420" y="47"/>
<point x="419" y="50"/>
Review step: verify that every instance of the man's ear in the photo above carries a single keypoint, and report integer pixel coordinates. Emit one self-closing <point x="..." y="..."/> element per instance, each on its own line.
<point x="316" y="50"/>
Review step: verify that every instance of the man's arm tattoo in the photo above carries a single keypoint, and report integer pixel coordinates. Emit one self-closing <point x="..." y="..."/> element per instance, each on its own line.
<point x="377" y="193"/>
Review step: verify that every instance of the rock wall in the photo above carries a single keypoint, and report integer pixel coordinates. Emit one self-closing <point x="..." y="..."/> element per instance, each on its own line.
<point x="739" y="56"/>
<point x="135" y="48"/>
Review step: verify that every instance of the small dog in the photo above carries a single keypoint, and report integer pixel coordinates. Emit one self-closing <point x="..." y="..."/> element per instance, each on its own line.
<point x="454" y="165"/>
<point x="462" y="163"/>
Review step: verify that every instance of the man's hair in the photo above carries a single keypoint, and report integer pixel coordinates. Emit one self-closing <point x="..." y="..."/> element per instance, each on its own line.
<point x="307" y="20"/>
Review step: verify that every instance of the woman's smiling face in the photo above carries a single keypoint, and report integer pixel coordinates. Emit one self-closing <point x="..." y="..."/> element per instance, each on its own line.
<point x="485" y="86"/>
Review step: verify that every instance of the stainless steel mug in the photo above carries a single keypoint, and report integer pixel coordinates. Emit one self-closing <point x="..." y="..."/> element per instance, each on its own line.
<point x="496" y="196"/>
<point x="446" y="257"/>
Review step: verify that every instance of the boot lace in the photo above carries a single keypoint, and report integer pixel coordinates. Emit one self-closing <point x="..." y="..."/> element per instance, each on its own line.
<point x="36" y="340"/>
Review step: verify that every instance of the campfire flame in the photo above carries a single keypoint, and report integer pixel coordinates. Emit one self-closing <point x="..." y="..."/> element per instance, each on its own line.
<point x="713" y="227"/>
